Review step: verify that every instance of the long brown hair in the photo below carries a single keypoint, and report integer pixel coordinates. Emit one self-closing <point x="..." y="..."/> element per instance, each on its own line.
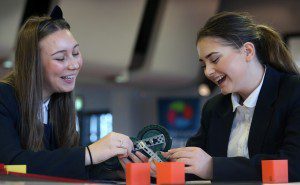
<point x="27" y="80"/>
<point x="237" y="28"/>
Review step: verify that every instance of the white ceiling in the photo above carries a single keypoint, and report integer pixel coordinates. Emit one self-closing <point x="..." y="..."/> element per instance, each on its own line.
<point x="172" y="57"/>
<point x="107" y="31"/>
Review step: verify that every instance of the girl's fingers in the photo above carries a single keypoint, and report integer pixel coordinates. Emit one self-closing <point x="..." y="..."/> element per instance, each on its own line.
<point x="186" y="161"/>
<point x="187" y="149"/>
<point x="142" y="156"/>
<point x="120" y="152"/>
<point x="135" y="158"/>
<point x="189" y="169"/>
<point x="166" y="154"/>
<point x="181" y="154"/>
<point x="123" y="162"/>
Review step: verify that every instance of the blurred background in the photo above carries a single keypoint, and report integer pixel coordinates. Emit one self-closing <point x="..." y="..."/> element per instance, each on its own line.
<point x="140" y="59"/>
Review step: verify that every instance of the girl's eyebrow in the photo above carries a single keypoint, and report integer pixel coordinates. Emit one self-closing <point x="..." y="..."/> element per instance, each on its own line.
<point x="76" y="45"/>
<point x="207" y="56"/>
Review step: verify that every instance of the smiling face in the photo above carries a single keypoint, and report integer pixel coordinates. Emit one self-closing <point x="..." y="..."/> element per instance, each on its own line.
<point x="223" y="64"/>
<point x="61" y="62"/>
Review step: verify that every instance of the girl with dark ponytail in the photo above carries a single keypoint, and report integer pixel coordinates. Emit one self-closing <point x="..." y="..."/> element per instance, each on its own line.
<point x="256" y="116"/>
<point x="274" y="51"/>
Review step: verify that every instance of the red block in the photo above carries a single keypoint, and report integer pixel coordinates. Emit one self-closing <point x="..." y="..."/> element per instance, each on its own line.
<point x="2" y="169"/>
<point x="137" y="174"/>
<point x="170" y="173"/>
<point x="275" y="171"/>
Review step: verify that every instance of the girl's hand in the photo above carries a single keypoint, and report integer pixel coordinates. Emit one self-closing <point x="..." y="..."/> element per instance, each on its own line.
<point x="113" y="144"/>
<point x="196" y="160"/>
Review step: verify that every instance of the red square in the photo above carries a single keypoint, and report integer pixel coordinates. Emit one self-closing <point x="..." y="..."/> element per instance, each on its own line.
<point x="170" y="173"/>
<point x="2" y="169"/>
<point x="138" y="174"/>
<point x="275" y="171"/>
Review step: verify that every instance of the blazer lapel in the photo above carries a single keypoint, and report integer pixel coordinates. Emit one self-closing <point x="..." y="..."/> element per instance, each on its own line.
<point x="263" y="111"/>
<point x="223" y="125"/>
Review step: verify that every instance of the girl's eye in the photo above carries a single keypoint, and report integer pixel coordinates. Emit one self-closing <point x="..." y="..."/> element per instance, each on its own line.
<point x="215" y="60"/>
<point x="75" y="54"/>
<point x="60" y="59"/>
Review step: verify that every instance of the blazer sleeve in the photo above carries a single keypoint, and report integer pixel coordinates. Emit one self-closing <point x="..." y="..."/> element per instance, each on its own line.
<point x="63" y="162"/>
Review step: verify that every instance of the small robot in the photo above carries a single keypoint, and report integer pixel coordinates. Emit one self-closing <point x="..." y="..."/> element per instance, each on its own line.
<point x="151" y="140"/>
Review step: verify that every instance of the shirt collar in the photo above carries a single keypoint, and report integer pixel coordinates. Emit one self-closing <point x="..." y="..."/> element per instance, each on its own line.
<point x="44" y="114"/>
<point x="45" y="104"/>
<point x="250" y="102"/>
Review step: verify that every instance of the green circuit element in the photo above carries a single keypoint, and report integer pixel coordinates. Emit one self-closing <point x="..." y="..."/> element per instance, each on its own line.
<point x="177" y="106"/>
<point x="147" y="132"/>
<point x="155" y="130"/>
<point x="133" y="139"/>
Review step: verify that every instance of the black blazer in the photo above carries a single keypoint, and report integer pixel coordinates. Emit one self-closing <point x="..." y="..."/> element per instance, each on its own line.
<point x="274" y="132"/>
<point x="52" y="161"/>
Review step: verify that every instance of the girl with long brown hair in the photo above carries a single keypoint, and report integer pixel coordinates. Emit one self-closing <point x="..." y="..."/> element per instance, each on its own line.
<point x="37" y="114"/>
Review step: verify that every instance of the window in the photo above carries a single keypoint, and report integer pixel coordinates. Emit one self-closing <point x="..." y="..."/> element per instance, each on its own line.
<point x="95" y="126"/>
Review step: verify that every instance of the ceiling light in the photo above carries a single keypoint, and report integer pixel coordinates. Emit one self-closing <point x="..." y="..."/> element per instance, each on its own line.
<point x="204" y="90"/>
<point x="7" y="64"/>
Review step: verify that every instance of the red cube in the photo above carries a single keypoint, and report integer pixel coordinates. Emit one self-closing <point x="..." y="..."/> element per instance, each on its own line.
<point x="275" y="171"/>
<point x="138" y="174"/>
<point x="170" y="173"/>
<point x="2" y="169"/>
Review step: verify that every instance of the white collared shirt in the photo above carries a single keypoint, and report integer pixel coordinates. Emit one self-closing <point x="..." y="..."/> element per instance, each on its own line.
<point x="45" y="108"/>
<point x="238" y="141"/>
<point x="45" y="111"/>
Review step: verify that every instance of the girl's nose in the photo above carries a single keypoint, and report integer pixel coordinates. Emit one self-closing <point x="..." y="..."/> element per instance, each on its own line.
<point x="73" y="66"/>
<point x="209" y="70"/>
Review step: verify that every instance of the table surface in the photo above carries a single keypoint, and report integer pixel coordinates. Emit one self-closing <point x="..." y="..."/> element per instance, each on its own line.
<point x="29" y="179"/>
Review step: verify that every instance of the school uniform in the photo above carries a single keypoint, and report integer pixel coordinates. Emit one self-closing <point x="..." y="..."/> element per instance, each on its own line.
<point x="52" y="161"/>
<point x="274" y="130"/>
<point x="63" y="162"/>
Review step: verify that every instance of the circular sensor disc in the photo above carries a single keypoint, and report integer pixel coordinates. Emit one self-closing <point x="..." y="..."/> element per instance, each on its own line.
<point x="155" y="130"/>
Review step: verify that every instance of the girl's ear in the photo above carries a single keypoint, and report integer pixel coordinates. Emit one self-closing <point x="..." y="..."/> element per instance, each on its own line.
<point x="249" y="50"/>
